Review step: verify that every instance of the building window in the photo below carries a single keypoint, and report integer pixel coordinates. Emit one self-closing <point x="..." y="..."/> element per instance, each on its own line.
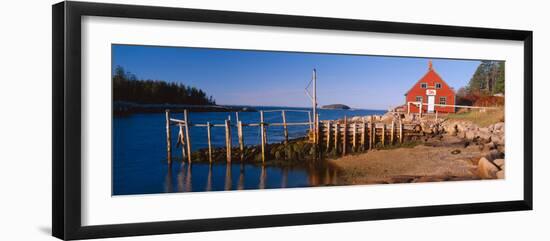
<point x="442" y="100"/>
<point x="438" y="85"/>
<point x="419" y="99"/>
<point x="423" y="85"/>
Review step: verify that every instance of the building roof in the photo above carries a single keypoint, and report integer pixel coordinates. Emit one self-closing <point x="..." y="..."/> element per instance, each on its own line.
<point x="431" y="74"/>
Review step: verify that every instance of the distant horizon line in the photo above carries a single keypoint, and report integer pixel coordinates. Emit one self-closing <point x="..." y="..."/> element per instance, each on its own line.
<point x="298" y="107"/>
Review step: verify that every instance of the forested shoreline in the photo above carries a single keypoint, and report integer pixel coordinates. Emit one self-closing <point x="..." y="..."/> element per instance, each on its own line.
<point x="128" y="88"/>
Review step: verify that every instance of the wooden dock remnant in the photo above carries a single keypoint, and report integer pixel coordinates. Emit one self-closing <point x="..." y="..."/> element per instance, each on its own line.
<point x="338" y="136"/>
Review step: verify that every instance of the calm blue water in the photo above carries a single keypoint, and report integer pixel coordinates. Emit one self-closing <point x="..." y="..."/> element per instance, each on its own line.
<point x="139" y="154"/>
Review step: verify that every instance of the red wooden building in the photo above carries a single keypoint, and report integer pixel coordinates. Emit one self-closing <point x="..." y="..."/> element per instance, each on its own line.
<point x="432" y="92"/>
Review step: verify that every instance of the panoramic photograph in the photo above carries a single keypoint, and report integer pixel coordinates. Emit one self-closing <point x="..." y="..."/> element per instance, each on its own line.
<point x="187" y="119"/>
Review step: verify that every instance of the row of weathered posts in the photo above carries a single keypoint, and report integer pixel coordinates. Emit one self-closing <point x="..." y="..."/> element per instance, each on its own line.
<point x="184" y="137"/>
<point x="326" y="135"/>
<point x="361" y="135"/>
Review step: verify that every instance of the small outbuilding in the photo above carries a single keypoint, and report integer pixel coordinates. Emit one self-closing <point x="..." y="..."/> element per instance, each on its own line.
<point x="433" y="92"/>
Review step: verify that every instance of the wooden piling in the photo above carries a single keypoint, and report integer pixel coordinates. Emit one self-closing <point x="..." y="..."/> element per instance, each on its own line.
<point x="392" y="132"/>
<point x="317" y="130"/>
<point x="336" y="129"/>
<point x="262" y="131"/>
<point x="328" y="135"/>
<point x="285" y="130"/>
<point x="208" y="126"/>
<point x="354" y="139"/>
<point x="241" y="141"/>
<point x="187" y="136"/>
<point x="383" y="139"/>
<point x="168" y="138"/>
<point x="228" y="139"/>
<point x="400" y="131"/>
<point x="372" y="132"/>
<point x="345" y="135"/>
<point x="363" y="134"/>
<point x="181" y="137"/>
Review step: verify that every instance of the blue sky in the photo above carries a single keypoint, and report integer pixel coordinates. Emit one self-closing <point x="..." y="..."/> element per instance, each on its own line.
<point x="241" y="77"/>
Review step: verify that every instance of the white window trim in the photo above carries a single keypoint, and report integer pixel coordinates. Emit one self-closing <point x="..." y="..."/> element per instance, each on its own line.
<point x="443" y="97"/>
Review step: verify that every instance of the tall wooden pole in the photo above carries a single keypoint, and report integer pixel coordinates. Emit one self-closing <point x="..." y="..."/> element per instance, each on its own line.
<point x="187" y="136"/>
<point x="262" y="132"/>
<point x="208" y="126"/>
<point x="168" y="138"/>
<point x="315" y="127"/>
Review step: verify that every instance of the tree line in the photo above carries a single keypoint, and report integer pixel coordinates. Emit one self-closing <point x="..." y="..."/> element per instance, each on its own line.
<point x="487" y="81"/>
<point x="127" y="87"/>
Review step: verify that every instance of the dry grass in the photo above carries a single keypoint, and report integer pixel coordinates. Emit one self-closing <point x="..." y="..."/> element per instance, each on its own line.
<point x="480" y="118"/>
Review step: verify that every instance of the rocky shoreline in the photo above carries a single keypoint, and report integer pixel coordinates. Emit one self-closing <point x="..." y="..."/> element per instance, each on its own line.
<point x="462" y="149"/>
<point x="447" y="150"/>
<point x="490" y="139"/>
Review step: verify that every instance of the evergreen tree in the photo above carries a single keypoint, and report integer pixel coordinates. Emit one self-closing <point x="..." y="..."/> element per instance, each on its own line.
<point x="488" y="78"/>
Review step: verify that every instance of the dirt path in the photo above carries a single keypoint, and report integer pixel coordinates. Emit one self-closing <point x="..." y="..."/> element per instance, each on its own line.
<point x="430" y="161"/>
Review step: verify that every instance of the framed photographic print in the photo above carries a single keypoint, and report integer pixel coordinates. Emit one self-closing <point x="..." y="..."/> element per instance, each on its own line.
<point x="170" y="120"/>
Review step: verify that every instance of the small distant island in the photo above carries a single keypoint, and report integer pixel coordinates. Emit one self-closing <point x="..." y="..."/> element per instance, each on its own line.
<point x="336" y="107"/>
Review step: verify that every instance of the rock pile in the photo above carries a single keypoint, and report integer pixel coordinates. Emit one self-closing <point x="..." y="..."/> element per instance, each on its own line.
<point x="489" y="139"/>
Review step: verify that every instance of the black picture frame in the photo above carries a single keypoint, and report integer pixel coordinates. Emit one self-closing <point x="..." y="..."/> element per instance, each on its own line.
<point x="66" y="169"/>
